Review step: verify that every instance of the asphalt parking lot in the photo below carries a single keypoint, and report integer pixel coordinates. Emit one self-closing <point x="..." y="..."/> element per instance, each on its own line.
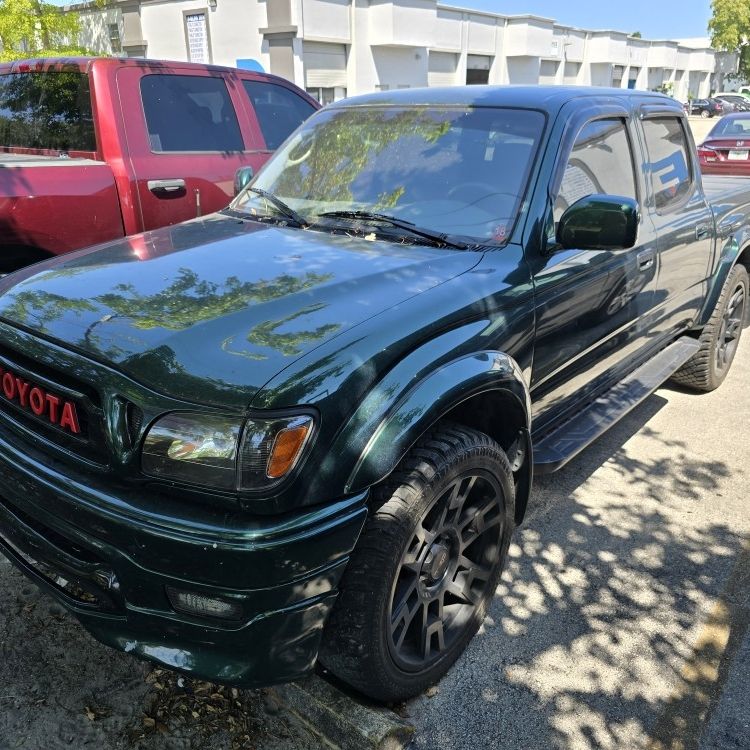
<point x="621" y="621"/>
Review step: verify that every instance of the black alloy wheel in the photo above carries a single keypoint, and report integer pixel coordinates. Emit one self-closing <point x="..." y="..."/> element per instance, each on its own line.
<point x="731" y="327"/>
<point x="445" y="569"/>
<point x="426" y="566"/>
<point x="720" y="337"/>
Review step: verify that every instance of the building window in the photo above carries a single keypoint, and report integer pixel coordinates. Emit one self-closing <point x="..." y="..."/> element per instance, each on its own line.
<point x="617" y="73"/>
<point x="572" y="69"/>
<point x="327" y="94"/>
<point x="114" y="37"/>
<point x="477" y="77"/>
<point x="478" y="69"/>
<point x="548" y="71"/>
<point x="196" y="37"/>
<point x="633" y="77"/>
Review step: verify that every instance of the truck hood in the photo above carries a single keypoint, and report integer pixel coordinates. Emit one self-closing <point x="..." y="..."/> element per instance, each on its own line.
<point x="210" y="310"/>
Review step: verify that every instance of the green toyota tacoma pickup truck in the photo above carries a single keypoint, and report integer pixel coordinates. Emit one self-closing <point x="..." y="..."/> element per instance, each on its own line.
<point x="302" y="430"/>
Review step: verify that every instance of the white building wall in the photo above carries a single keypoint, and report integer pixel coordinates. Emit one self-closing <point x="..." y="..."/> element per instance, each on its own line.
<point x="448" y="26"/>
<point x="325" y="19"/>
<point x="232" y="26"/>
<point x="95" y="30"/>
<point x="388" y="43"/>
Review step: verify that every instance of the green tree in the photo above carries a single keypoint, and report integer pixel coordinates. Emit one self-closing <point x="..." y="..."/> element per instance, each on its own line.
<point x="729" y="27"/>
<point x="34" y="28"/>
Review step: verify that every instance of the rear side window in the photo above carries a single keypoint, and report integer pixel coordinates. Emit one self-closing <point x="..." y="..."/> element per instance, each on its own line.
<point x="280" y="111"/>
<point x="46" y="110"/>
<point x="189" y="113"/>
<point x="669" y="164"/>
<point x="601" y="162"/>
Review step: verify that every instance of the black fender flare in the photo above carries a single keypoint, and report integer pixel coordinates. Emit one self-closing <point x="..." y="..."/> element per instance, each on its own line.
<point x="403" y="422"/>
<point x="733" y="248"/>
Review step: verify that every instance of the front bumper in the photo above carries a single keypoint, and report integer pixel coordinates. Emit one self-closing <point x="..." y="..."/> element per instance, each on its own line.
<point x="110" y="567"/>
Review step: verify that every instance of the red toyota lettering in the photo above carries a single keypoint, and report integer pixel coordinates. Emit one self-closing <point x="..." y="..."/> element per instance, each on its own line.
<point x="35" y="398"/>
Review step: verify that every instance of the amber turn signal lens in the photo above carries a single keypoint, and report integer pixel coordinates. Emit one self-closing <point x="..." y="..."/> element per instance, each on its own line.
<point x="286" y="450"/>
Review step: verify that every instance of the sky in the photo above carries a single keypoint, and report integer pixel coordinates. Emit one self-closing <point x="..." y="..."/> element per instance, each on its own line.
<point x="655" y="19"/>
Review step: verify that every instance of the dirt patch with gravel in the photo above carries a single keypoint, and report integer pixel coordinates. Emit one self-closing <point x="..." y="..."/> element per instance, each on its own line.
<point x="59" y="688"/>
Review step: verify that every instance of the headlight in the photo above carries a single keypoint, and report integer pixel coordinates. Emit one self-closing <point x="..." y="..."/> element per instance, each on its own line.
<point x="218" y="452"/>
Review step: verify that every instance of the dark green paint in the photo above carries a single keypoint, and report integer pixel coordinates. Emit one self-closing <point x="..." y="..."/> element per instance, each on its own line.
<point x="378" y="339"/>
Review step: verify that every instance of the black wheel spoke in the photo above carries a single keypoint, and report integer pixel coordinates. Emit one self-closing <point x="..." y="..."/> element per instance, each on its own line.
<point x="475" y="527"/>
<point x="403" y="618"/>
<point x="460" y="589"/>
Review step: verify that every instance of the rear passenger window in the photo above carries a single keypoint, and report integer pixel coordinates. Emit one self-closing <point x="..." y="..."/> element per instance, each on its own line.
<point x="280" y="111"/>
<point x="189" y="113"/>
<point x="669" y="165"/>
<point x="601" y="162"/>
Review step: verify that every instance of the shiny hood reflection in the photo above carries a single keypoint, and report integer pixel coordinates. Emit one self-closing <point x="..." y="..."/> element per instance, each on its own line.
<point x="212" y="309"/>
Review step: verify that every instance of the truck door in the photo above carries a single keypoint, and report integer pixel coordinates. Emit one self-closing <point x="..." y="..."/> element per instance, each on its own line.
<point x="590" y="304"/>
<point x="188" y="131"/>
<point x="683" y="220"/>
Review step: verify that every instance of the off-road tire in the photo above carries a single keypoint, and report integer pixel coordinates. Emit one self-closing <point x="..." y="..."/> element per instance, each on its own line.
<point x="359" y="641"/>
<point x="701" y="372"/>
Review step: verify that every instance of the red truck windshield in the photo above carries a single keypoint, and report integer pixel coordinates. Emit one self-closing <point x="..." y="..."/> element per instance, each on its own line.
<point x="46" y="110"/>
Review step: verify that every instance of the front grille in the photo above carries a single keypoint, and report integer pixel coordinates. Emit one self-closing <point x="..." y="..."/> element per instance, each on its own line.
<point x="89" y="441"/>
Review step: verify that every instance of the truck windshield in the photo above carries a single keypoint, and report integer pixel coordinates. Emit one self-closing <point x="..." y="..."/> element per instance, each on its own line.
<point x="46" y="110"/>
<point x="454" y="170"/>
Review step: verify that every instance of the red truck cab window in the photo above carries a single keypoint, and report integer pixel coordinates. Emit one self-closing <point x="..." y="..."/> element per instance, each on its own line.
<point x="189" y="113"/>
<point x="279" y="111"/>
<point x="46" y="110"/>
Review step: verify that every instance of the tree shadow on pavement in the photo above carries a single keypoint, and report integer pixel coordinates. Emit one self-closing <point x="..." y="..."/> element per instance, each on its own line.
<point x="600" y="609"/>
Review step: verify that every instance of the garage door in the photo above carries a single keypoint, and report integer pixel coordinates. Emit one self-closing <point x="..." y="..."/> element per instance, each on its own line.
<point x="325" y="65"/>
<point x="441" y="69"/>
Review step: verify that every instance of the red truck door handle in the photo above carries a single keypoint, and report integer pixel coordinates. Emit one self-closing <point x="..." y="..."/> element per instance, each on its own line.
<point x="166" y="187"/>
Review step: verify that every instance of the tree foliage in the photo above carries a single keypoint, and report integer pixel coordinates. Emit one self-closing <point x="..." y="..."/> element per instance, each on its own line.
<point x="729" y="27"/>
<point x="34" y="28"/>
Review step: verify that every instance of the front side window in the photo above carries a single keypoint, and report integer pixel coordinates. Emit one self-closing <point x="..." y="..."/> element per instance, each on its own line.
<point x="456" y="170"/>
<point x="189" y="113"/>
<point x="279" y="111"/>
<point x="601" y="162"/>
<point x="46" y="110"/>
<point x="669" y="164"/>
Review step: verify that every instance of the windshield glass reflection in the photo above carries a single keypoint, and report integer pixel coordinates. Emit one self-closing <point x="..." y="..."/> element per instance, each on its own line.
<point x="459" y="171"/>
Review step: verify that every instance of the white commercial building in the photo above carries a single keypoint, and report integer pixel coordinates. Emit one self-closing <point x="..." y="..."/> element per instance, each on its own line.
<point x="335" y="48"/>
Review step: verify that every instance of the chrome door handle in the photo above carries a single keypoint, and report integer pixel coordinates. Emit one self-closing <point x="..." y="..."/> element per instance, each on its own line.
<point x="701" y="231"/>
<point x="166" y="186"/>
<point x="645" y="259"/>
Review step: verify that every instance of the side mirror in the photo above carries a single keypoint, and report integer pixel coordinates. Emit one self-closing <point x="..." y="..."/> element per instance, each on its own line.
<point x="599" y="222"/>
<point x="242" y="179"/>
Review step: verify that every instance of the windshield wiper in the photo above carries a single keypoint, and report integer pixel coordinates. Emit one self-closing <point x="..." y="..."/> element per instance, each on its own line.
<point x="288" y="211"/>
<point x="408" y="226"/>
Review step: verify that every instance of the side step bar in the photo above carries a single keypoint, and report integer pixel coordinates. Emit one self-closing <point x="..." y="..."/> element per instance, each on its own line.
<point x="557" y="448"/>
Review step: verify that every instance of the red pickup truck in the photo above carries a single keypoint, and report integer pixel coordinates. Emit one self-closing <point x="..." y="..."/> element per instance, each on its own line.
<point x="95" y="149"/>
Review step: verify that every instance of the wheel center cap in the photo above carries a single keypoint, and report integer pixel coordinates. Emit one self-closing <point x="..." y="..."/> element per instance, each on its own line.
<point x="437" y="561"/>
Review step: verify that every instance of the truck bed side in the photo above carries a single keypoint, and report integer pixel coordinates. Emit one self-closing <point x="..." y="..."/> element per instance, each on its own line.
<point x="56" y="205"/>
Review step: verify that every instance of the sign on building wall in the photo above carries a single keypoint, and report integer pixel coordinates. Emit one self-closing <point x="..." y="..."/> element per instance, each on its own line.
<point x="197" y="37"/>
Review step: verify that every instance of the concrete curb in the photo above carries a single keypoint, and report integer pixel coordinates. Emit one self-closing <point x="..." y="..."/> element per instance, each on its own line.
<point x="342" y="722"/>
